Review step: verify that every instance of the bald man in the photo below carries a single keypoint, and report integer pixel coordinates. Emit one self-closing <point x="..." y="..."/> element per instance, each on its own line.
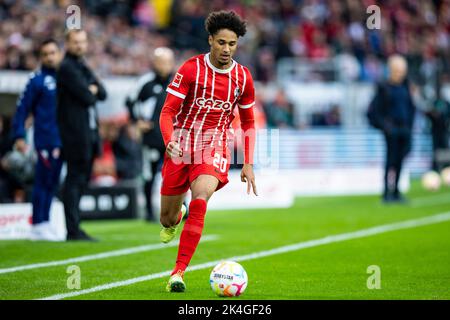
<point x="393" y="113"/>
<point x="144" y="105"/>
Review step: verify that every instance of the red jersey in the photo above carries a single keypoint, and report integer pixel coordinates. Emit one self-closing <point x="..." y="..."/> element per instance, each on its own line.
<point x="209" y="97"/>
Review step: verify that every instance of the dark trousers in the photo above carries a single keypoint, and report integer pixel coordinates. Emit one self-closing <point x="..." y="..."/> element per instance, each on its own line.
<point x="398" y="145"/>
<point x="155" y="168"/>
<point x="77" y="179"/>
<point x="46" y="181"/>
<point x="440" y="141"/>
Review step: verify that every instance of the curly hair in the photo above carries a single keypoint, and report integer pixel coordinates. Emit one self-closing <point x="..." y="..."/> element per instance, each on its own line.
<point x="225" y="20"/>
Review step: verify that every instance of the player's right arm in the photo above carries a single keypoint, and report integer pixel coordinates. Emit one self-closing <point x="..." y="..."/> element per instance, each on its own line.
<point x="25" y="105"/>
<point x="177" y="91"/>
<point x="171" y="107"/>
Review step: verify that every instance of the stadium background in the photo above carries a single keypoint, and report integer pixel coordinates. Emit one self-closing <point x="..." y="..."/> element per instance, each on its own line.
<point x="315" y="64"/>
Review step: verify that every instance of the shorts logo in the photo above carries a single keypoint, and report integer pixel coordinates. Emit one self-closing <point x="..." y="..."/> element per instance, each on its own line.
<point x="177" y="80"/>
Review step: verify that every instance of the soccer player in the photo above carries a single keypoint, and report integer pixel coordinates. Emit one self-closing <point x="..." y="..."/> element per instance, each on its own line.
<point x="194" y="120"/>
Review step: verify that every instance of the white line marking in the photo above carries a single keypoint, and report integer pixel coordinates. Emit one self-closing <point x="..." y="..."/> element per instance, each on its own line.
<point x="102" y="255"/>
<point x="294" y="247"/>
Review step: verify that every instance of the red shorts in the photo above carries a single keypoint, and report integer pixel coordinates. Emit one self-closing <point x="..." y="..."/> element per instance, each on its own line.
<point x="178" y="176"/>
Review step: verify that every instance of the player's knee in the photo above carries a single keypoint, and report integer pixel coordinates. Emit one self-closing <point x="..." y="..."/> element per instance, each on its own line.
<point x="201" y="195"/>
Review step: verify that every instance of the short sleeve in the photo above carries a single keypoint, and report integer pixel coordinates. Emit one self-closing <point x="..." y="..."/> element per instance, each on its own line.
<point x="247" y="99"/>
<point x="181" y="82"/>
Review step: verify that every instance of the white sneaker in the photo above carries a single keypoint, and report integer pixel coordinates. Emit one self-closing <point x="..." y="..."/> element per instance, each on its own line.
<point x="43" y="232"/>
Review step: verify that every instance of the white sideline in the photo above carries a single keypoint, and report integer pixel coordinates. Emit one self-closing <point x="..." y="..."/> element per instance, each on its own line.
<point x="102" y="255"/>
<point x="284" y="249"/>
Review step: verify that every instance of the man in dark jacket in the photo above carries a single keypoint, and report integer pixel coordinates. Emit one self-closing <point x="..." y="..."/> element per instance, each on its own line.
<point x="78" y="91"/>
<point x="145" y="105"/>
<point x="392" y="110"/>
<point x="39" y="99"/>
<point x="439" y="115"/>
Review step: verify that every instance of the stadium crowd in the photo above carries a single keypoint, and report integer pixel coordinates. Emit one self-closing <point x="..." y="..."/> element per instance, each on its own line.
<point x="124" y="32"/>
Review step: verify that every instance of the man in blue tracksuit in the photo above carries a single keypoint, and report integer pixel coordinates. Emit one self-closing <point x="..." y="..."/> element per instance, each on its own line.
<point x="39" y="100"/>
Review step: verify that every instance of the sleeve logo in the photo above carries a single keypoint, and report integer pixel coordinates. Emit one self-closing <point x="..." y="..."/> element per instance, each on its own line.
<point x="177" y="80"/>
<point x="237" y="92"/>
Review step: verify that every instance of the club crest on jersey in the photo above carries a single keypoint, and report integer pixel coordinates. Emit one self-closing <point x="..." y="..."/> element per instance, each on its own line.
<point x="237" y="92"/>
<point x="177" y="80"/>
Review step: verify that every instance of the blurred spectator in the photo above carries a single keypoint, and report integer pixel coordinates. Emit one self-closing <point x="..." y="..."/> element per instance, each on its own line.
<point x="329" y="118"/>
<point x="127" y="150"/>
<point x="16" y="168"/>
<point x="260" y="123"/>
<point x="279" y="111"/>
<point x="145" y="105"/>
<point x="104" y="167"/>
<point x="373" y="70"/>
<point x="20" y="170"/>
<point x="439" y="115"/>
<point x="6" y="192"/>
<point x="14" y="59"/>
<point x="121" y="157"/>
<point x="265" y="65"/>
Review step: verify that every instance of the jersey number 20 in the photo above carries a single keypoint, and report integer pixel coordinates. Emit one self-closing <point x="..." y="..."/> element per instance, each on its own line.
<point x="220" y="162"/>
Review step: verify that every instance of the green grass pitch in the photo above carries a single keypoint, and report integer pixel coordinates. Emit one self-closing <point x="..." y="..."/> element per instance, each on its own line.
<point x="414" y="262"/>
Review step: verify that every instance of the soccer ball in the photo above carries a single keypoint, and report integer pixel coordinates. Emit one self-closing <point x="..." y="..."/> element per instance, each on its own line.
<point x="431" y="180"/>
<point x="445" y="175"/>
<point x="228" y="279"/>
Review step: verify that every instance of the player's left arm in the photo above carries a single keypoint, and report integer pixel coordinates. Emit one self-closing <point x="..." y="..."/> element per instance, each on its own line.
<point x="246" y="104"/>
